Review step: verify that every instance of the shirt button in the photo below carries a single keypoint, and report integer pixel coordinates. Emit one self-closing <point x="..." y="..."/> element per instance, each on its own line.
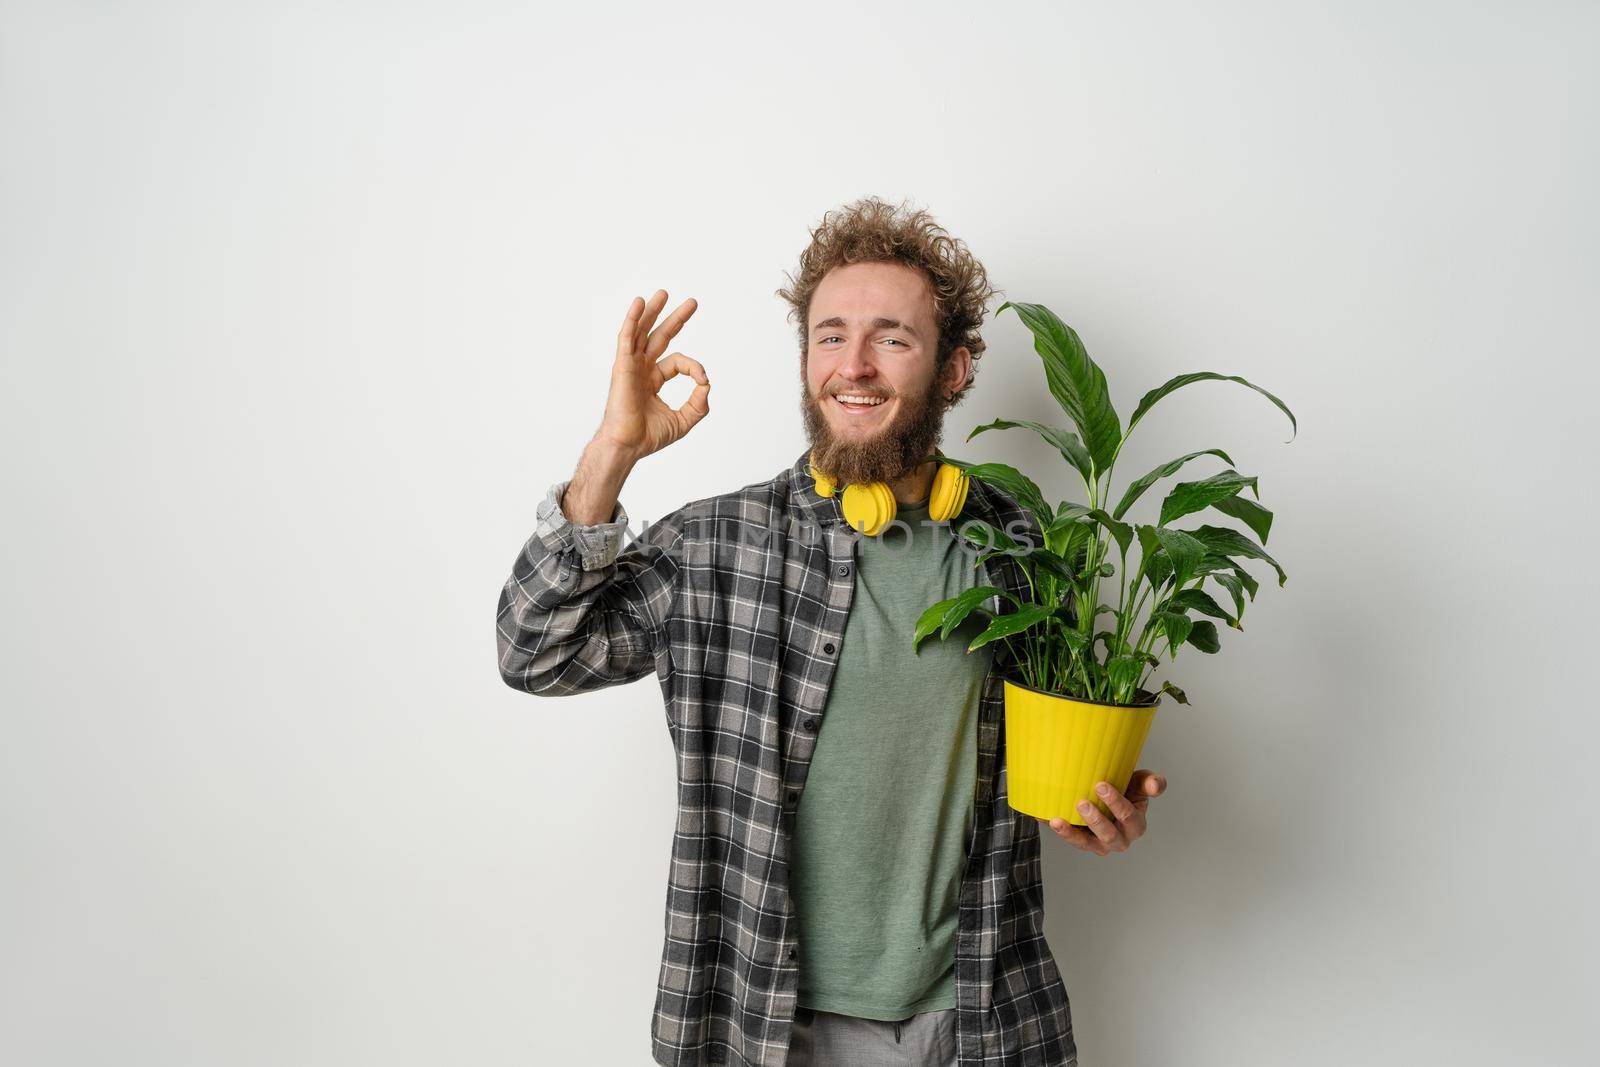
<point x="844" y="570"/>
<point x="794" y="953"/>
<point x="828" y="648"/>
<point x="810" y="725"/>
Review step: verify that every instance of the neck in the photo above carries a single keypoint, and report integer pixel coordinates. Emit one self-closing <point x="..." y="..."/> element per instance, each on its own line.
<point x="914" y="486"/>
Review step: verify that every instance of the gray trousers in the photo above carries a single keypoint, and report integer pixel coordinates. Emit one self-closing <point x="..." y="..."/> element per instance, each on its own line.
<point x="824" y="1039"/>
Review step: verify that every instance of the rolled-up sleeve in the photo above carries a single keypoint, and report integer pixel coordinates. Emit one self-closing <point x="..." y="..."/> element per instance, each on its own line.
<point x="597" y="544"/>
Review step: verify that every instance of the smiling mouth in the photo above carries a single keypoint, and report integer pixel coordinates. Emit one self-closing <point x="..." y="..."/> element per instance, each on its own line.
<point x="860" y="403"/>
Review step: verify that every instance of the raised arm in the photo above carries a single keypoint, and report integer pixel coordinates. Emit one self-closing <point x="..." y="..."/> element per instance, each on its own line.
<point x="579" y="612"/>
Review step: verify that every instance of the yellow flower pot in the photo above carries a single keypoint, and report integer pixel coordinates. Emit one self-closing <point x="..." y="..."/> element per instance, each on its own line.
<point x="1059" y="748"/>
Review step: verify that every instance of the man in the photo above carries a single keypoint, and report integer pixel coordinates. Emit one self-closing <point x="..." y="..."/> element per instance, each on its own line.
<point x="849" y="886"/>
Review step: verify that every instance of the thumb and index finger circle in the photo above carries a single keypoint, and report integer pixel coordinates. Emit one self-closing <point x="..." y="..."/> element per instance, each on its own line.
<point x="696" y="407"/>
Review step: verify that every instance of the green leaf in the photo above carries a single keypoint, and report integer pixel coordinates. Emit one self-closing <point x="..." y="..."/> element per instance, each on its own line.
<point x="982" y="535"/>
<point x="1006" y="625"/>
<point x="1231" y="583"/>
<point x="1219" y="566"/>
<point x="946" y="615"/>
<point x="1189" y="497"/>
<point x="1204" y="636"/>
<point x="1065" y="533"/>
<point x="930" y="621"/>
<point x="1176" y="626"/>
<point x="1113" y="645"/>
<point x="1184" y="552"/>
<point x="1013" y="482"/>
<point x="1070" y="510"/>
<point x="1227" y="542"/>
<point x="1253" y="515"/>
<point x="1065" y="441"/>
<point x="1136" y="490"/>
<point x="1149" y="543"/>
<point x="1120" y="530"/>
<point x="1199" y="600"/>
<point x="986" y="556"/>
<point x="1124" y="672"/>
<point x="1149" y="399"/>
<point x="1049" y="561"/>
<point x="1246" y="579"/>
<point x="1177" y="694"/>
<point x="1075" y="640"/>
<point x="1075" y="380"/>
<point x="935" y="616"/>
<point x="1158" y="570"/>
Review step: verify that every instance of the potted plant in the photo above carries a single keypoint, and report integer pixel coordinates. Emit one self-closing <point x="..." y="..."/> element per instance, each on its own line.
<point x="1077" y="702"/>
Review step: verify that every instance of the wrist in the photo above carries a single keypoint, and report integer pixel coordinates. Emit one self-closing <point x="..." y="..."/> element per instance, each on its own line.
<point x="611" y="455"/>
<point x="591" y="496"/>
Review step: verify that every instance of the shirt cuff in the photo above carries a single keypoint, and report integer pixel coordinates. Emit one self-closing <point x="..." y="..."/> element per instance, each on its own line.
<point x="597" y="544"/>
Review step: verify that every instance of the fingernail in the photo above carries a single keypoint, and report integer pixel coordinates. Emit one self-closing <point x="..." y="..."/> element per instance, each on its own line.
<point x="1084" y="807"/>
<point x="1103" y="789"/>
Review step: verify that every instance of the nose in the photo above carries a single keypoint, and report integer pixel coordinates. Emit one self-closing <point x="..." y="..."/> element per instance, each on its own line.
<point x="857" y="361"/>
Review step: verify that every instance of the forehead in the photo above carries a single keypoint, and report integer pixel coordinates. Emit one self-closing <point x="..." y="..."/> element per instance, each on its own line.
<point x="866" y="290"/>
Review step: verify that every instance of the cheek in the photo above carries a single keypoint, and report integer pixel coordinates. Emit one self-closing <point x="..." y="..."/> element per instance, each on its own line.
<point x="819" y="370"/>
<point x="912" y="384"/>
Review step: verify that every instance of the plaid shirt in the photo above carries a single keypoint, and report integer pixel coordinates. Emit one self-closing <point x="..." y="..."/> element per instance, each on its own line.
<point x="738" y="603"/>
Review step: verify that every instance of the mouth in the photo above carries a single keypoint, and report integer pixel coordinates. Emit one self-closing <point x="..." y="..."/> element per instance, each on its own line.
<point x="859" y="405"/>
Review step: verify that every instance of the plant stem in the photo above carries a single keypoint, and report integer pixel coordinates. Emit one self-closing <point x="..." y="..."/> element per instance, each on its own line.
<point x="1028" y="657"/>
<point x="1156" y="634"/>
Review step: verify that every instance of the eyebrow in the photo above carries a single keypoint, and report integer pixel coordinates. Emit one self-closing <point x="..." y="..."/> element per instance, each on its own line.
<point x="880" y="323"/>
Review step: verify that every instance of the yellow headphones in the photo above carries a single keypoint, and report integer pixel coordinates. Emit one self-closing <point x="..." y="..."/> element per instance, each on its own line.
<point x="869" y="506"/>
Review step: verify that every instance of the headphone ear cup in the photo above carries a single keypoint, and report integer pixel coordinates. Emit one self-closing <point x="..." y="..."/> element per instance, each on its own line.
<point x="868" y="506"/>
<point x="949" y="492"/>
<point x="825" y="486"/>
<point x="961" y="495"/>
<point x="940" y="493"/>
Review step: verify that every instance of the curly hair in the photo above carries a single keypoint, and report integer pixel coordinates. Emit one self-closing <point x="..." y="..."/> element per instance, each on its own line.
<point x="873" y="231"/>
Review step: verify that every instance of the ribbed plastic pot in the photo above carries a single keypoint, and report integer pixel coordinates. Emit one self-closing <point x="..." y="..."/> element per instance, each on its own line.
<point x="1059" y="748"/>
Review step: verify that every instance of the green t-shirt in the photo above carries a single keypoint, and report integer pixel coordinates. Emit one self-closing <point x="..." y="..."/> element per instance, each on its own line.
<point x="882" y="826"/>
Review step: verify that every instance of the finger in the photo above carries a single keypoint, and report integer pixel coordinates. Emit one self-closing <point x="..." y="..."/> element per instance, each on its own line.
<point x="677" y="363"/>
<point x="698" y="406"/>
<point x="648" y="319"/>
<point x="1130" y="816"/>
<point x="1103" y="828"/>
<point x="1076" y="836"/>
<point x="1146" y="783"/>
<point x="630" y="328"/>
<point x="661" y="335"/>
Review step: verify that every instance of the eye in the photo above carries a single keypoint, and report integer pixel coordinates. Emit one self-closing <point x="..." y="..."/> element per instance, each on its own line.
<point x="835" y="337"/>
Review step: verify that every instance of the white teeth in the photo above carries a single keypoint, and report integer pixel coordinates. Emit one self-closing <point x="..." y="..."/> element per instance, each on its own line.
<point x="852" y="398"/>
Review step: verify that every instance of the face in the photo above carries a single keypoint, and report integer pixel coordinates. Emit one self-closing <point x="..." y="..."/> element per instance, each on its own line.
<point x="872" y="338"/>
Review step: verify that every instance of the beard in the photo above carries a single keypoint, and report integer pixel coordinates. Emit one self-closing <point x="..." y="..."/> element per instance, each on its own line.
<point x="888" y="453"/>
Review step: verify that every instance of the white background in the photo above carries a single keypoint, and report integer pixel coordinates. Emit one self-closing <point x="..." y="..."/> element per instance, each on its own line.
<point x="305" y="305"/>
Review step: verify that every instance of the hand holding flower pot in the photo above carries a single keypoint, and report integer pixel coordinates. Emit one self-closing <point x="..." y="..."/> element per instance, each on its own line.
<point x="1077" y="706"/>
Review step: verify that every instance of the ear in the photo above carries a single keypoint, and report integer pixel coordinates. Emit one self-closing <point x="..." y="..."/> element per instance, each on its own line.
<point x="956" y="370"/>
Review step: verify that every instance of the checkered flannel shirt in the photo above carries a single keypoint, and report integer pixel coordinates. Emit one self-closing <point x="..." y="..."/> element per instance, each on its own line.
<point x="737" y="603"/>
